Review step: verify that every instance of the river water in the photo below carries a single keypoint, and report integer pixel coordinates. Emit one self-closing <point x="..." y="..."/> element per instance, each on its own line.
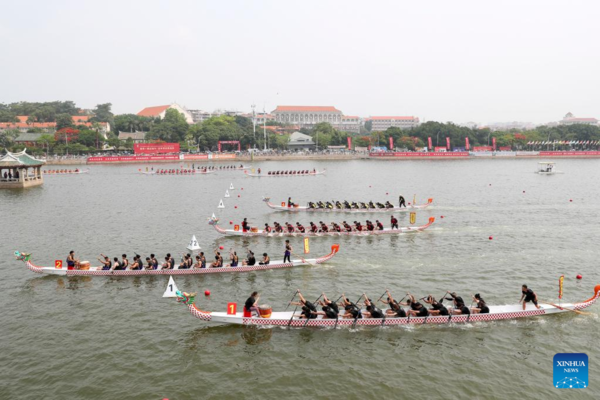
<point x="117" y="338"/>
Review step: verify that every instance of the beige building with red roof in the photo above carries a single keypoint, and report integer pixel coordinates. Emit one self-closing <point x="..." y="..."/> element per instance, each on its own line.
<point x="160" y="111"/>
<point x="307" y="116"/>
<point x="570" y="119"/>
<point x="380" y="124"/>
<point x="24" y="124"/>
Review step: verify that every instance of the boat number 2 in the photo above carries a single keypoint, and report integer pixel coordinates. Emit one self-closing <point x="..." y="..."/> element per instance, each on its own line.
<point x="57" y="264"/>
<point x="231" y="308"/>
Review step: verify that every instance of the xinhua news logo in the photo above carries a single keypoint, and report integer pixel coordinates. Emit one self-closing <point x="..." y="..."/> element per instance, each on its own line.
<point x="571" y="371"/>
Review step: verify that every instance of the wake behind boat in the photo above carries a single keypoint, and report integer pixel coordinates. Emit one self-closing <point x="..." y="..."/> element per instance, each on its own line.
<point x="291" y="318"/>
<point x="98" y="271"/>
<point x="345" y="208"/>
<point x="320" y="231"/>
<point x="547" y="168"/>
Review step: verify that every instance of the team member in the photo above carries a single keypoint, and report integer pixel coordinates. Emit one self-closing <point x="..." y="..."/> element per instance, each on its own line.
<point x="372" y="310"/>
<point x="105" y="262"/>
<point x="437" y="308"/>
<point x="252" y="303"/>
<point x="394" y="222"/>
<point x="330" y="309"/>
<point x="416" y="309"/>
<point x="459" y="304"/>
<point x="395" y="309"/>
<point x="529" y="295"/>
<point x="480" y="305"/>
<point x="266" y="260"/>
<point x="401" y="201"/>
<point x="288" y="252"/>
<point x="72" y="262"/>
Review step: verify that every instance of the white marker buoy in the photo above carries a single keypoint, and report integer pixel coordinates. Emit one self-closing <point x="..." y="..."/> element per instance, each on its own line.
<point x="171" y="288"/>
<point x="221" y="205"/>
<point x="193" y="244"/>
<point x="226" y="193"/>
<point x="231" y="186"/>
<point x="213" y="216"/>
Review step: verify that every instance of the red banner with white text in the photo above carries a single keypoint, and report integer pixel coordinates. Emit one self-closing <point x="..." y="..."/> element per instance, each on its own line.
<point x="391" y="143"/>
<point x="116" y="159"/>
<point x="419" y="154"/>
<point x="349" y="143"/>
<point x="494" y="143"/>
<point x="447" y="143"/>
<point x="429" y="145"/>
<point x="155" y="148"/>
<point x="467" y="143"/>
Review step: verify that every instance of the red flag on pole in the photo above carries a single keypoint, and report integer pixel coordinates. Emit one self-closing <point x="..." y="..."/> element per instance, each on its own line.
<point x="494" y="143"/>
<point x="447" y="143"/>
<point x="429" y="145"/>
<point x="467" y="143"/>
<point x="391" y="143"/>
<point x="349" y="143"/>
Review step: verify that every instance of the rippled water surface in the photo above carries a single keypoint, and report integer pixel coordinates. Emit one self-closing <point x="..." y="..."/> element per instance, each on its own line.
<point x="117" y="338"/>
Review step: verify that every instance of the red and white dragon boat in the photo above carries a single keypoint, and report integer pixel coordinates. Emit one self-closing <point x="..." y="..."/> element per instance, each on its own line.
<point x="50" y="172"/>
<point x="178" y="172"/>
<point x="265" y="174"/>
<point x="290" y="318"/>
<point x="94" y="271"/>
<point x="238" y="231"/>
<point x="296" y="208"/>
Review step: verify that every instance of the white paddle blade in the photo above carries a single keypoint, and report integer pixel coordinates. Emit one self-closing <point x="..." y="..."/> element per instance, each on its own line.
<point x="171" y="288"/>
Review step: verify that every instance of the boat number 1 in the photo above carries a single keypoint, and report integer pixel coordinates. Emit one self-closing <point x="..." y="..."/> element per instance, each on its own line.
<point x="58" y="264"/>
<point x="231" y="308"/>
<point x="170" y="288"/>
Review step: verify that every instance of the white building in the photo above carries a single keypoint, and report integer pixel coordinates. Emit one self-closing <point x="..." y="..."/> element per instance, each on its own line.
<point x="308" y="116"/>
<point x="570" y="119"/>
<point x="350" y="123"/>
<point x="160" y="111"/>
<point x="380" y="124"/>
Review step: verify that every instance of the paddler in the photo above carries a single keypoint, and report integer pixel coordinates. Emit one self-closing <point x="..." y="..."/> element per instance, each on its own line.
<point x="395" y="309"/>
<point x="309" y="310"/>
<point x="527" y="296"/>
<point x="480" y="305"/>
<point x="370" y="226"/>
<point x="324" y="227"/>
<point x="372" y="310"/>
<point x="313" y="227"/>
<point x="416" y="309"/>
<point x="267" y="228"/>
<point x="459" y="304"/>
<point x="347" y="226"/>
<point x="105" y="262"/>
<point x="379" y="225"/>
<point x="394" y="222"/>
<point x="300" y="228"/>
<point x="358" y="226"/>
<point x="351" y="309"/>
<point x="401" y="201"/>
<point x="336" y="227"/>
<point x="290" y="227"/>
<point x="437" y="308"/>
<point x="330" y="309"/>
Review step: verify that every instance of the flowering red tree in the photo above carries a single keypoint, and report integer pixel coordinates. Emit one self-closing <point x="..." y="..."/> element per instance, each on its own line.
<point x="66" y="134"/>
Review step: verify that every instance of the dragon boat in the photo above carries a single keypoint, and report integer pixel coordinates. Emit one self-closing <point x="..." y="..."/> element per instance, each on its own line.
<point x="266" y="174"/>
<point x="188" y="172"/>
<point x="64" y="172"/>
<point x="93" y="271"/>
<point x="289" y="318"/>
<point x="238" y="231"/>
<point x="296" y="208"/>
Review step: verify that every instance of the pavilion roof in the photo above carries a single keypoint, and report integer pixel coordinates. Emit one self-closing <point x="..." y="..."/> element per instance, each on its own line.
<point x="19" y="159"/>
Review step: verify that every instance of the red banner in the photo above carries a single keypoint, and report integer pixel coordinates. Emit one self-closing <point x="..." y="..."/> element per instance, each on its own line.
<point x="467" y="143"/>
<point x="429" y="145"/>
<point x="132" y="159"/>
<point x="494" y="143"/>
<point x="482" y="148"/>
<point x="155" y="148"/>
<point x="195" y="156"/>
<point x="391" y="143"/>
<point x="349" y="143"/>
<point x="569" y="153"/>
<point x="420" y="154"/>
<point x="215" y="156"/>
<point x="447" y="143"/>
<point x="229" y="142"/>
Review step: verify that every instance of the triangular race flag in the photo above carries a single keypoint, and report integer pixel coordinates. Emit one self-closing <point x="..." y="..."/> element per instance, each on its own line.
<point x="193" y="244"/>
<point x="171" y="288"/>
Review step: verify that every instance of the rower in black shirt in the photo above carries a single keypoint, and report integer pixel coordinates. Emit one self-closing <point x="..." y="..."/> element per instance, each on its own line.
<point x="416" y="309"/>
<point x="330" y="309"/>
<point x="437" y="308"/>
<point x="351" y="309"/>
<point x="395" y="310"/>
<point x="309" y="310"/>
<point x="394" y="222"/>
<point x="252" y="303"/>
<point x="245" y="225"/>
<point x="459" y="304"/>
<point x="527" y="296"/>
<point x="372" y="310"/>
<point x="401" y="201"/>
<point x="480" y="305"/>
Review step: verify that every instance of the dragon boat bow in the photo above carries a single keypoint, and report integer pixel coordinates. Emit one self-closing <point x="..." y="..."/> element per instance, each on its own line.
<point x="290" y="318"/>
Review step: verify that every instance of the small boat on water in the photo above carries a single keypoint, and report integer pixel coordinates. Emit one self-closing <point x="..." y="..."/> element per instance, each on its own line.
<point x="94" y="271"/>
<point x="297" y="208"/>
<point x="547" y="168"/>
<point x="290" y="318"/>
<point x="270" y="174"/>
<point x="177" y="172"/>
<point x="65" y="171"/>
<point x="237" y="231"/>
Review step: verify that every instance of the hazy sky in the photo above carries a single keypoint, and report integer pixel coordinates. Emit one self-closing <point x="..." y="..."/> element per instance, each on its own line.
<point x="459" y="61"/>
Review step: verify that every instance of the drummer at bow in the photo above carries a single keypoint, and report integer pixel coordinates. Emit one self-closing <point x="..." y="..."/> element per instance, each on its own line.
<point x="252" y="303"/>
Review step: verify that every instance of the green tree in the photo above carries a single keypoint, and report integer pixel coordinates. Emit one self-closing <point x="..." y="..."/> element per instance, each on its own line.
<point x="369" y="125"/>
<point x="47" y="141"/>
<point x="63" y="121"/>
<point x="7" y="137"/>
<point x="172" y="128"/>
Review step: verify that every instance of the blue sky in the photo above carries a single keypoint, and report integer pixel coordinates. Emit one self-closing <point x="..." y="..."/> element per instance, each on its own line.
<point x="439" y="60"/>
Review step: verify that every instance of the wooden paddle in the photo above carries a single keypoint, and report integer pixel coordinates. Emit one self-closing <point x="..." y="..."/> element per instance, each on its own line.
<point x="293" y="297"/>
<point x="307" y="319"/>
<point x="303" y="259"/>
<point x="358" y="314"/>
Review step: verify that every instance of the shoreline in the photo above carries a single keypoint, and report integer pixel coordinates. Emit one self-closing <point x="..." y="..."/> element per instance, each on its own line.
<point x="335" y="157"/>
